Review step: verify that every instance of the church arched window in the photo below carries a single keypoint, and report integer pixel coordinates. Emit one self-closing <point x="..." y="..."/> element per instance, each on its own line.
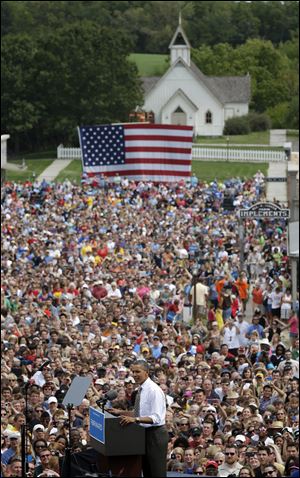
<point x="208" y="117"/>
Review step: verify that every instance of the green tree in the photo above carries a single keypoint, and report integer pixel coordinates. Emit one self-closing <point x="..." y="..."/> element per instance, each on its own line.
<point x="20" y="112"/>
<point x="80" y="75"/>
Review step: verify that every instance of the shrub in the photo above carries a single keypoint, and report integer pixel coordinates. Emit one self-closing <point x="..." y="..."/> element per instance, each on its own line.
<point x="259" y="121"/>
<point x="237" y="125"/>
<point x="279" y="115"/>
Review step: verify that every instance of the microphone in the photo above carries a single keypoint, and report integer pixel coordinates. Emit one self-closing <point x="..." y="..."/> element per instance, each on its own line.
<point x="108" y="397"/>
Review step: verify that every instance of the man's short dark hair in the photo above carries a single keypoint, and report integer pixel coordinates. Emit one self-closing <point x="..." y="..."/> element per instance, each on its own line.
<point x="143" y="364"/>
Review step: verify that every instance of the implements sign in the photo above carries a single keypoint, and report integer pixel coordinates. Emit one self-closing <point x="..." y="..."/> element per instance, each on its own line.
<point x="262" y="210"/>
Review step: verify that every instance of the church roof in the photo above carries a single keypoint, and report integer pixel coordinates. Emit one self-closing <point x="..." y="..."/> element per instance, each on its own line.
<point x="227" y="89"/>
<point x="148" y="82"/>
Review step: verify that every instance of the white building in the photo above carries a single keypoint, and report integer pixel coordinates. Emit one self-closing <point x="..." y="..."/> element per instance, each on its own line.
<point x="185" y="96"/>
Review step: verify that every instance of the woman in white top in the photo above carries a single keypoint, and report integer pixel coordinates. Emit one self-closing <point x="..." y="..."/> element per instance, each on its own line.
<point x="230" y="333"/>
<point x="286" y="304"/>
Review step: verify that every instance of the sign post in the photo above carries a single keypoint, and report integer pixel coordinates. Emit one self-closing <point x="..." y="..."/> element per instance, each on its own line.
<point x="241" y="240"/>
<point x="263" y="210"/>
<point x="260" y="210"/>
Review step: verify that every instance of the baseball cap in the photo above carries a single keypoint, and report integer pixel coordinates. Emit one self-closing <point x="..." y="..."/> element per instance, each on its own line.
<point x="195" y="431"/>
<point x="14" y="435"/>
<point x="241" y="438"/>
<point x="210" y="408"/>
<point x="259" y="374"/>
<point x="129" y="380"/>
<point x="99" y="381"/>
<point x="39" y="426"/>
<point x="52" y="400"/>
<point x="211" y="463"/>
<point x="264" y="342"/>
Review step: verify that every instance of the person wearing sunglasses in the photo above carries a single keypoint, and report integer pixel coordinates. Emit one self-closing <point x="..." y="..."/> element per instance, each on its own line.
<point x="231" y="465"/>
<point x="45" y="456"/>
<point x="271" y="471"/>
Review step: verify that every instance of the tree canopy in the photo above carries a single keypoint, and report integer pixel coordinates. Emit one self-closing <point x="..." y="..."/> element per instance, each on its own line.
<point x="66" y="63"/>
<point x="77" y="74"/>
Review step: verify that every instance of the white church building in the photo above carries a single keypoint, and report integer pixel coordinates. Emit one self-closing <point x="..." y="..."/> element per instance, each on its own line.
<point x="185" y="96"/>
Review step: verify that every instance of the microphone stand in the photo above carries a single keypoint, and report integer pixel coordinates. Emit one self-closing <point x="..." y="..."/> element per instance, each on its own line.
<point x="66" y="471"/>
<point x="24" y="431"/>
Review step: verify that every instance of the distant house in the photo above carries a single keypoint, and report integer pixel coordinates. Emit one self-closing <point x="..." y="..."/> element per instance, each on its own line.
<point x="185" y="96"/>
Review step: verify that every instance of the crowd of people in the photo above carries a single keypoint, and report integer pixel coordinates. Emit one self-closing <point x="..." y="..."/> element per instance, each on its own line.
<point x="97" y="275"/>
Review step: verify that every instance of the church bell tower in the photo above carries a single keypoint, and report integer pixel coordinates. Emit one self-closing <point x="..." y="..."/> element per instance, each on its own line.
<point x="180" y="46"/>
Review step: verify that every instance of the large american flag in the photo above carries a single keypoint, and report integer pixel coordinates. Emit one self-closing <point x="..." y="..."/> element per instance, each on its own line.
<point x="139" y="151"/>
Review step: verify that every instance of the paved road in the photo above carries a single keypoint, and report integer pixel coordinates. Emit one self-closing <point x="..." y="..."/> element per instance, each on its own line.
<point x="50" y="173"/>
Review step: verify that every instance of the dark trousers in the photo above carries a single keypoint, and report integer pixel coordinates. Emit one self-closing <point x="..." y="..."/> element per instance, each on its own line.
<point x="155" y="459"/>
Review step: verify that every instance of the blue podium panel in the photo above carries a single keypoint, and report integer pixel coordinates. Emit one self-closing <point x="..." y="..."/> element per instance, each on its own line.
<point x="97" y="425"/>
<point x="109" y="438"/>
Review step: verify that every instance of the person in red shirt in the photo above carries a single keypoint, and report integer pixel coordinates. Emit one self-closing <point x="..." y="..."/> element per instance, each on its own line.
<point x="257" y="297"/>
<point x="242" y="286"/>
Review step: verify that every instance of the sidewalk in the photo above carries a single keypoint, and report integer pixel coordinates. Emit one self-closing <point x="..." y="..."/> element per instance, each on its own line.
<point x="277" y="190"/>
<point x="50" y="173"/>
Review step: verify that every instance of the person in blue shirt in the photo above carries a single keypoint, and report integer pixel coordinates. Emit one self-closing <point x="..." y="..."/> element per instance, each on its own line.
<point x="14" y="441"/>
<point x="156" y="347"/>
<point x="255" y="326"/>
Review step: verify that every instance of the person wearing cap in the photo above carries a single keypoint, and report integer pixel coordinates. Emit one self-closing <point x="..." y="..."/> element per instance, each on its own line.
<point x="195" y="439"/>
<point x="211" y="468"/>
<point x="14" y="447"/>
<point x="38" y="432"/>
<point x="290" y="363"/>
<point x="53" y="404"/>
<point x="155" y="347"/>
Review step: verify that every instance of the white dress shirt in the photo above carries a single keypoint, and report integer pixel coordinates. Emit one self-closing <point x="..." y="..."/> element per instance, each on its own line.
<point x="152" y="403"/>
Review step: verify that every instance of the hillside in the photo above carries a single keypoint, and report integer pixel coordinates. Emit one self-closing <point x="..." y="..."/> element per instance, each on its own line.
<point x="149" y="64"/>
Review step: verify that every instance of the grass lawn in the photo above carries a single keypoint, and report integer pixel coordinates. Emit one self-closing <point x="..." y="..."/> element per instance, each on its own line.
<point x="34" y="166"/>
<point x="205" y="170"/>
<point x="72" y="172"/>
<point x="221" y="170"/>
<point x="150" y="64"/>
<point x="260" y="137"/>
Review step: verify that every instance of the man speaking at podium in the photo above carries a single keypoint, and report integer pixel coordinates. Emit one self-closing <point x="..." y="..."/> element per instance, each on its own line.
<point x="149" y="412"/>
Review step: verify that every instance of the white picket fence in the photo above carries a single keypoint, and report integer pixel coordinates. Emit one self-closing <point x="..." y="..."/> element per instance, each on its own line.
<point x="208" y="153"/>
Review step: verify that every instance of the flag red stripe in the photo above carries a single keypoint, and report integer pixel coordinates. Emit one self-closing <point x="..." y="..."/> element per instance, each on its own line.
<point x="156" y="126"/>
<point x="158" y="161"/>
<point x="142" y="137"/>
<point x="144" y="172"/>
<point x="153" y="149"/>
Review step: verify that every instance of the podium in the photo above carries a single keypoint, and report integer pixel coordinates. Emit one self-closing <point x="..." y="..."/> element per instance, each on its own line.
<point x="120" y="447"/>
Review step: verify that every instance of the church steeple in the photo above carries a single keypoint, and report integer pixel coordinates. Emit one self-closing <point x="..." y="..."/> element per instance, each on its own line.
<point x="180" y="46"/>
